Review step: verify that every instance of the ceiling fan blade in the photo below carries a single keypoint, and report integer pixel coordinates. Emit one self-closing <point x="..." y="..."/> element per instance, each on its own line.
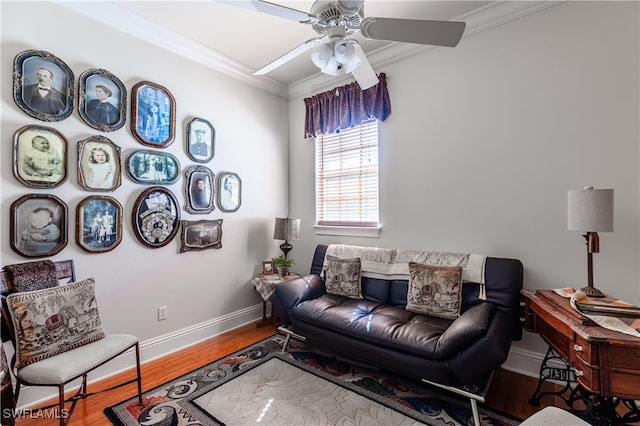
<point x="309" y="44"/>
<point x="364" y="73"/>
<point x="437" y="33"/>
<point x="274" y="9"/>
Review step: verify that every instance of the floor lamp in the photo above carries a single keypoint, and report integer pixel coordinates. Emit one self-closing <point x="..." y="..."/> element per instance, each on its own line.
<point x="591" y="211"/>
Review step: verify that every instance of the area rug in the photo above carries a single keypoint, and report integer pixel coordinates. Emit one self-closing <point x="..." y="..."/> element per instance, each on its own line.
<point x="261" y="385"/>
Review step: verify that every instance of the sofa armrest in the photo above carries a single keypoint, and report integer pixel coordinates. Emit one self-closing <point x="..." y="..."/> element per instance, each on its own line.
<point x="465" y="330"/>
<point x="289" y="294"/>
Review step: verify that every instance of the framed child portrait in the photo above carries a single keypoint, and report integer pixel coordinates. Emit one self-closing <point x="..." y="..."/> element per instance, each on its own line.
<point x="43" y="85"/>
<point x="201" y="235"/>
<point x="102" y="100"/>
<point x="200" y="140"/>
<point x="98" y="223"/>
<point x="199" y="190"/>
<point x="156" y="217"/>
<point x="39" y="157"/>
<point x="153" y="114"/>
<point x="99" y="167"/>
<point x="38" y="225"/>
<point x="229" y="192"/>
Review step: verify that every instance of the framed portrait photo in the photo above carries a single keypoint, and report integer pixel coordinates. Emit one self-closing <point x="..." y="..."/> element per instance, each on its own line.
<point x="229" y="193"/>
<point x="156" y="217"/>
<point x="40" y="157"/>
<point x="268" y="267"/>
<point x="153" y="114"/>
<point x="98" y="223"/>
<point x="38" y="225"/>
<point x="199" y="190"/>
<point x="201" y="235"/>
<point x="43" y="85"/>
<point x="152" y="167"/>
<point x="102" y="100"/>
<point x="99" y="167"/>
<point x="200" y="140"/>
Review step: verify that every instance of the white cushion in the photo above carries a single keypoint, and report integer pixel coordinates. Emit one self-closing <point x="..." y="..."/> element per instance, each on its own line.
<point x="70" y="364"/>
<point x="550" y="416"/>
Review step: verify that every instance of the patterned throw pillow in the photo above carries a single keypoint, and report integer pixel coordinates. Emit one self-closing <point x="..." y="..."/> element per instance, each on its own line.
<point x="342" y="277"/>
<point x="54" y="320"/>
<point x="435" y="290"/>
<point x="31" y="276"/>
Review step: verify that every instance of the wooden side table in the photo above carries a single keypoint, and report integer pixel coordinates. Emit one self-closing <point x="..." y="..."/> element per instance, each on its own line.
<point x="265" y="285"/>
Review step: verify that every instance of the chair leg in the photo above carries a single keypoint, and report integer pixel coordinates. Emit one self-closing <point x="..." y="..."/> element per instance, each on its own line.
<point x="138" y="370"/>
<point x="61" y="413"/>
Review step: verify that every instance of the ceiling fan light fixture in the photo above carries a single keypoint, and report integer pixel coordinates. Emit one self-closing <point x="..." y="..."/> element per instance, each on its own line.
<point x="322" y="55"/>
<point x="344" y="51"/>
<point x="352" y="64"/>
<point x="332" y="68"/>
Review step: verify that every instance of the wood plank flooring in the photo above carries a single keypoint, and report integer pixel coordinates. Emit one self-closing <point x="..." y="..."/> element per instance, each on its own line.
<point x="509" y="392"/>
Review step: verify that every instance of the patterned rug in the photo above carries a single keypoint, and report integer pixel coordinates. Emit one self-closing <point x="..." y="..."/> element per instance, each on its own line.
<point x="265" y="386"/>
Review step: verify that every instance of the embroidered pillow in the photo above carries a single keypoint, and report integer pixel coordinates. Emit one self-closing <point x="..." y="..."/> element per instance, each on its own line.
<point x="54" y="320"/>
<point x="435" y="290"/>
<point x="342" y="277"/>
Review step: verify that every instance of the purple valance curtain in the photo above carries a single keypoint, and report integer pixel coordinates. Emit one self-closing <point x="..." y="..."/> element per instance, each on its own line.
<point x="327" y="113"/>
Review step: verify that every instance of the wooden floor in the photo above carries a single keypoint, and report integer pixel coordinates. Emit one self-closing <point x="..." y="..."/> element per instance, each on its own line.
<point x="509" y="392"/>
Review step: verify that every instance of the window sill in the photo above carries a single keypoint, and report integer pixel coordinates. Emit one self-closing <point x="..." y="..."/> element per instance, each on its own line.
<point x="348" y="231"/>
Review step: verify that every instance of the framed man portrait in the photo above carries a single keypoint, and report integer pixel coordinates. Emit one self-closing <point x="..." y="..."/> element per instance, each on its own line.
<point x="199" y="190"/>
<point x="98" y="223"/>
<point x="200" y="140"/>
<point x="43" y="85"/>
<point x="99" y="167"/>
<point x="201" y="235"/>
<point x="39" y="157"/>
<point x="153" y="114"/>
<point x="156" y="217"/>
<point x="38" y="225"/>
<point x="229" y="192"/>
<point x="102" y="100"/>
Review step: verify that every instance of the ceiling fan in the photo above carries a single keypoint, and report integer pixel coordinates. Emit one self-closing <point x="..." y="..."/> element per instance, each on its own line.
<point x="336" y="20"/>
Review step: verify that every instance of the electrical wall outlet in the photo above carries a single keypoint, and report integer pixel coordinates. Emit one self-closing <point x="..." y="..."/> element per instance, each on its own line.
<point x="162" y="313"/>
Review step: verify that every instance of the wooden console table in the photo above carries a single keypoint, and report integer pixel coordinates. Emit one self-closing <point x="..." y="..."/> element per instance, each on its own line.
<point x="605" y="363"/>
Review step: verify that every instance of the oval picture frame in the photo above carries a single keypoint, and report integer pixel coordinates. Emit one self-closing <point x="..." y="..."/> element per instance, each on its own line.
<point x="229" y="192"/>
<point x="39" y="224"/>
<point x="156" y="217"/>
<point x="43" y="85"/>
<point x="99" y="165"/>
<point x="199" y="190"/>
<point x="201" y="138"/>
<point x="151" y="167"/>
<point x="102" y="100"/>
<point x="40" y="157"/>
<point x="153" y="114"/>
<point x="98" y="223"/>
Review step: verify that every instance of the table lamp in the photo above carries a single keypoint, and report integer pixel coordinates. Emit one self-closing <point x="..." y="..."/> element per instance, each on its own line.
<point x="286" y="229"/>
<point x="590" y="210"/>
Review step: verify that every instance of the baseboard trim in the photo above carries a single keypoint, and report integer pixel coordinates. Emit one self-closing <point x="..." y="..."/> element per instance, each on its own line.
<point x="151" y="349"/>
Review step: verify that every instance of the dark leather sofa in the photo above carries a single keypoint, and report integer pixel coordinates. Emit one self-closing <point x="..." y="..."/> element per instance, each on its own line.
<point x="378" y="331"/>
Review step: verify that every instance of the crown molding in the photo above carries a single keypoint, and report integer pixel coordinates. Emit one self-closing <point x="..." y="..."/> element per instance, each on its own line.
<point x="489" y="16"/>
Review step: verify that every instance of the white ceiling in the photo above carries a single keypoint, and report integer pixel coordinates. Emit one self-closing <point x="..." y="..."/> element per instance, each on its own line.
<point x="239" y="41"/>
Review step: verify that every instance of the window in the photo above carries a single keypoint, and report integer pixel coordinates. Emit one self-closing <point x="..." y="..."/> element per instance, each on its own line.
<point x="347" y="177"/>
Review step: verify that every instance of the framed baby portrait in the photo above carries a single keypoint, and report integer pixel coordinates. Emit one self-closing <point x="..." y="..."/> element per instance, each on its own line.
<point x="152" y="167"/>
<point x="156" y="217"/>
<point x="99" y="167"/>
<point x="39" y="157"/>
<point x="153" y="114"/>
<point x="102" y="100"/>
<point x="98" y="223"/>
<point x="229" y="192"/>
<point x="199" y="190"/>
<point x="38" y="225"/>
<point x="43" y="85"/>
<point x="201" y="235"/>
<point x="200" y="140"/>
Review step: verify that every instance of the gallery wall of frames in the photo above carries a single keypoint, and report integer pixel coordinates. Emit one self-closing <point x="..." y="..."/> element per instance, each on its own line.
<point x="44" y="88"/>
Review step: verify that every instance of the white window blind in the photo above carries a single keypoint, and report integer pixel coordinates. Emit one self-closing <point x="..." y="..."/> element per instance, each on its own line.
<point x="347" y="177"/>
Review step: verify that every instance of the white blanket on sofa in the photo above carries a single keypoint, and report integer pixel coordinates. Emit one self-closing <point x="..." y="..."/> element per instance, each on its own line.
<point x="392" y="264"/>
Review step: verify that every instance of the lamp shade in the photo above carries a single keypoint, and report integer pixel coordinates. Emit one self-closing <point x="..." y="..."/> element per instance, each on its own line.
<point x="286" y="229"/>
<point x="590" y="210"/>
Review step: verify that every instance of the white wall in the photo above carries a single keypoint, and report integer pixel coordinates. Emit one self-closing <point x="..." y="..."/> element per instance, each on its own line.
<point x="485" y="140"/>
<point x="209" y="289"/>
